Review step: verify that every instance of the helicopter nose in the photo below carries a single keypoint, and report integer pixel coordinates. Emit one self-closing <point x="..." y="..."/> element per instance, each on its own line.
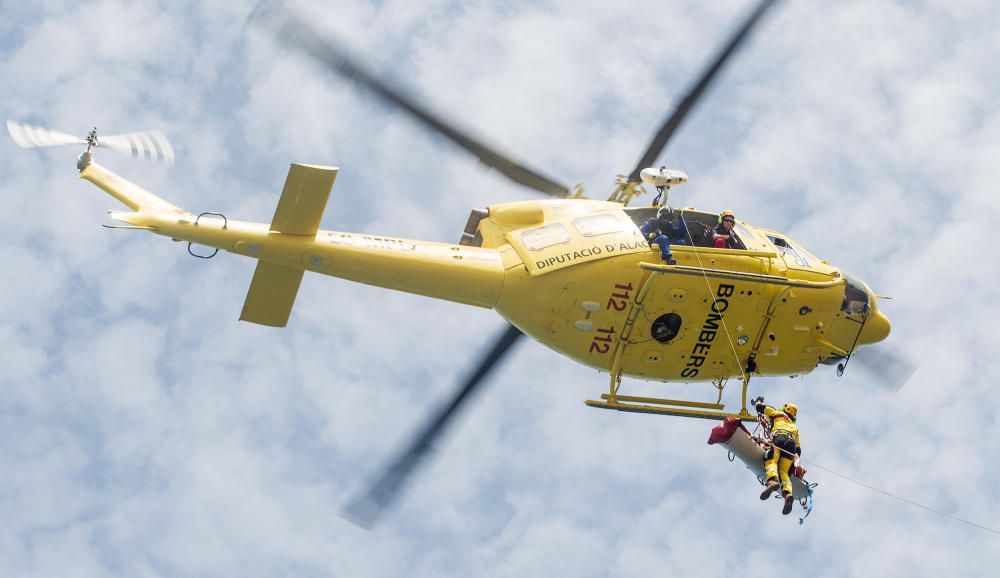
<point x="876" y="329"/>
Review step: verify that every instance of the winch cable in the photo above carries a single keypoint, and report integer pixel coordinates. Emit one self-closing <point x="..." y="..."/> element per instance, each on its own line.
<point x="766" y="435"/>
<point x="900" y="498"/>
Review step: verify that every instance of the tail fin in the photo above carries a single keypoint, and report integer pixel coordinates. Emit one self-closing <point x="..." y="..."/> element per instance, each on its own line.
<point x="274" y="287"/>
<point x="271" y="295"/>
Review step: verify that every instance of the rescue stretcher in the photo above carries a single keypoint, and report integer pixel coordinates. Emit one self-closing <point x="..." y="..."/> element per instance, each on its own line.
<point x="733" y="436"/>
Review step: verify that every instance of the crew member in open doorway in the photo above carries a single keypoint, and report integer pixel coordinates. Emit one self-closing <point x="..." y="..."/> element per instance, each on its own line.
<point x="663" y="230"/>
<point x="784" y="453"/>
<point x="724" y="237"/>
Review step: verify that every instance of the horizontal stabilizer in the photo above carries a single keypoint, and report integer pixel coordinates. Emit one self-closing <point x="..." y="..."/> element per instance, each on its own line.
<point x="272" y="294"/>
<point x="303" y="199"/>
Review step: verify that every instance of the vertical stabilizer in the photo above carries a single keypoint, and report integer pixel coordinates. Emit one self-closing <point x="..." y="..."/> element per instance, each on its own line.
<point x="303" y="199"/>
<point x="272" y="292"/>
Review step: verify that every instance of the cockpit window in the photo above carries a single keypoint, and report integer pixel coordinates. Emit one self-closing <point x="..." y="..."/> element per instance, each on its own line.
<point x="855" y="297"/>
<point x="594" y="225"/>
<point x="745" y="234"/>
<point x="789" y="252"/>
<point x="809" y="257"/>
<point x="545" y="236"/>
<point x="745" y="238"/>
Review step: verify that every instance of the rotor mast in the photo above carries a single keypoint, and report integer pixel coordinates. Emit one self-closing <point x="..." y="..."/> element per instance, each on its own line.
<point x="662" y="178"/>
<point x="85" y="158"/>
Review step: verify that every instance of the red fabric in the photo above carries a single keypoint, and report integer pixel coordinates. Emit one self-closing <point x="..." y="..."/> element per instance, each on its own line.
<point x="722" y="432"/>
<point x="720" y="243"/>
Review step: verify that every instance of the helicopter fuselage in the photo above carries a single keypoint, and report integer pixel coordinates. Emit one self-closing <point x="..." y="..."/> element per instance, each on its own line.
<point x="588" y="285"/>
<point x="575" y="275"/>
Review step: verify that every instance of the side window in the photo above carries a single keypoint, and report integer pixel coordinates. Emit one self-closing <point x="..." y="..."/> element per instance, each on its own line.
<point x="594" y="225"/>
<point x="545" y="236"/>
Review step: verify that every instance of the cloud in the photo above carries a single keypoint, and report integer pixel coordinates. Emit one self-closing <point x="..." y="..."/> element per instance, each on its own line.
<point x="147" y="432"/>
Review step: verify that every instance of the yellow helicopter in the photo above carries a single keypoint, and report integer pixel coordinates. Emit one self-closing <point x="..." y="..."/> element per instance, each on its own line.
<point x="573" y="273"/>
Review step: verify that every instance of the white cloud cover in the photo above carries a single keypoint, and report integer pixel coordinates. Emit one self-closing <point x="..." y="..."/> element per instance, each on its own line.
<point x="145" y="432"/>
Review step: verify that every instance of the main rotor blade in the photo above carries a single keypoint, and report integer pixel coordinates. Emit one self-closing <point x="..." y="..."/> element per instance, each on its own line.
<point x="674" y="121"/>
<point x="365" y="509"/>
<point x="891" y="368"/>
<point x="296" y="32"/>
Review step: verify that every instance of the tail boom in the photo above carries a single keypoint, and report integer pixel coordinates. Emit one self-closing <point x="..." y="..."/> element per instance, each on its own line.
<point x="463" y="274"/>
<point x="129" y="193"/>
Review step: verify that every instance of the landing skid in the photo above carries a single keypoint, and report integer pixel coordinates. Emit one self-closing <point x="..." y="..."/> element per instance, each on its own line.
<point x="672" y="407"/>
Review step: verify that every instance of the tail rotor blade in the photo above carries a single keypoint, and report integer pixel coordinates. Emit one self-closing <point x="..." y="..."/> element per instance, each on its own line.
<point x="891" y="368"/>
<point x="27" y="136"/>
<point x="674" y="121"/>
<point x="366" y="508"/>
<point x="150" y="145"/>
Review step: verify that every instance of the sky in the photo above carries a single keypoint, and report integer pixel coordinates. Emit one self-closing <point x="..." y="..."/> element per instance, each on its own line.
<point x="146" y="432"/>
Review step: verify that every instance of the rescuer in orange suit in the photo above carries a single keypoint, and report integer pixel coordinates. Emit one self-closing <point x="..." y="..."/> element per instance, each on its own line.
<point x="784" y="452"/>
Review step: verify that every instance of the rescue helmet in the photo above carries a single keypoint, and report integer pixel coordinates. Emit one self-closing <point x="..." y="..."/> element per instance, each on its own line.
<point x="726" y="213"/>
<point x="664" y="213"/>
<point x="790" y="410"/>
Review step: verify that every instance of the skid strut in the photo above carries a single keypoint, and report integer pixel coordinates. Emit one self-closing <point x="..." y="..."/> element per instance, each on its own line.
<point x="675" y="407"/>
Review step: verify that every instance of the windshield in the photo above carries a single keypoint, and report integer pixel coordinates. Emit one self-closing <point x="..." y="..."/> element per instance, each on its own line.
<point x="855" y="297"/>
<point x="749" y="238"/>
